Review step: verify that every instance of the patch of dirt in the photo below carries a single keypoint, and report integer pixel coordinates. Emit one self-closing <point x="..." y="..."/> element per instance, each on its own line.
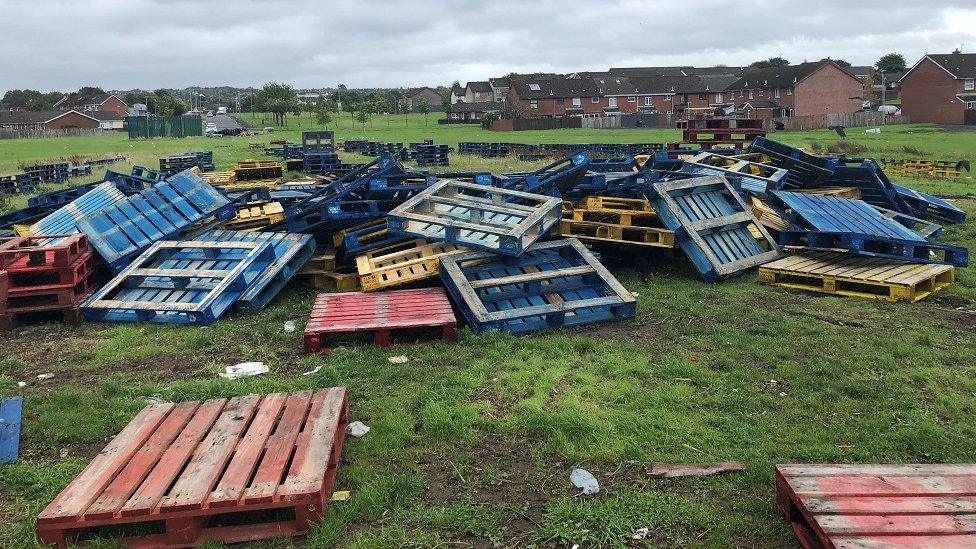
<point x="641" y="332"/>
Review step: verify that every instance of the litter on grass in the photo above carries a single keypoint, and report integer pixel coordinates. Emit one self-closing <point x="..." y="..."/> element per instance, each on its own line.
<point x="245" y="369"/>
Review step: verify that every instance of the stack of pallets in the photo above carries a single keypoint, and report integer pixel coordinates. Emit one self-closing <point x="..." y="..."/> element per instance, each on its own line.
<point x="253" y="170"/>
<point x="19" y="183"/>
<point x="43" y="275"/>
<point x="618" y="221"/>
<point x="194" y="159"/>
<point x="55" y="172"/>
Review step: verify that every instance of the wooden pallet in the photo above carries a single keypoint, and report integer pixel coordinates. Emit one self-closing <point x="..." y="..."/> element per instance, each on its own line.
<point x="219" y="178"/>
<point x="623" y="235"/>
<point x="402" y="263"/>
<point x="767" y="216"/>
<point x="383" y="315"/>
<point x="253" y="216"/>
<point x="322" y="261"/>
<point x="552" y="285"/>
<point x="750" y="176"/>
<point x="879" y="506"/>
<point x="38" y="254"/>
<point x="868" y="277"/>
<point x="65" y="219"/>
<point x="617" y="211"/>
<point x="476" y="216"/>
<point x="25" y="291"/>
<point x="712" y="226"/>
<point x="70" y="315"/>
<point x="343" y="279"/>
<point x="209" y="470"/>
<point x="832" y="214"/>
<point x="839" y="192"/>
<point x="915" y="251"/>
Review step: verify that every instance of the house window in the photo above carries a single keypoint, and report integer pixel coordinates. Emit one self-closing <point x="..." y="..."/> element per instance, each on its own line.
<point x="750" y="94"/>
<point x="776" y="93"/>
<point x="703" y="97"/>
<point x="648" y="101"/>
<point x="718" y="98"/>
<point x="969" y="84"/>
<point x="631" y="98"/>
<point x="454" y="115"/>
<point x="789" y="91"/>
<point x="971" y="105"/>
<point x="534" y="104"/>
<point x="668" y="97"/>
<point x="594" y="100"/>
<point x="612" y="102"/>
<point x="577" y="102"/>
<point x="560" y="101"/>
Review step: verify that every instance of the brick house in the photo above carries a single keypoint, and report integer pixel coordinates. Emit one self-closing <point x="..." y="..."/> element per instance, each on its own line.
<point x="105" y="102"/>
<point x="821" y="87"/>
<point x="429" y="94"/>
<point x="47" y="120"/>
<point x="678" y="93"/>
<point x="474" y="112"/>
<point x="556" y="97"/>
<point x="478" y="92"/>
<point x="941" y="89"/>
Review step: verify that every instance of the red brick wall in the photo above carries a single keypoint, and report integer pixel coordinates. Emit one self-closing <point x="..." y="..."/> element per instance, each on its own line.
<point x="114" y="104"/>
<point x="828" y="90"/>
<point x="71" y="120"/>
<point x="928" y="94"/>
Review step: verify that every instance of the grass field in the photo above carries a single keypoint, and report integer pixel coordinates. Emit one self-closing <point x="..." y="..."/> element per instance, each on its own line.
<point x="471" y="444"/>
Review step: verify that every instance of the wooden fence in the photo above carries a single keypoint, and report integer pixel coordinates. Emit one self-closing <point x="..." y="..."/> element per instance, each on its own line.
<point x="815" y="122"/>
<point x="17" y="133"/>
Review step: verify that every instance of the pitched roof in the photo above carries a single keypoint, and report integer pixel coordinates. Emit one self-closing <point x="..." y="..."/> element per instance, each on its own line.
<point x="501" y="82"/>
<point x="482" y="106"/>
<point x="960" y="65"/>
<point x="675" y="71"/>
<point x="106" y="115"/>
<point x="479" y="87"/>
<point x="34" y="117"/>
<point x="414" y="91"/>
<point x="615" y="85"/>
<point x="75" y="100"/>
<point x="555" y="87"/>
<point x="780" y="77"/>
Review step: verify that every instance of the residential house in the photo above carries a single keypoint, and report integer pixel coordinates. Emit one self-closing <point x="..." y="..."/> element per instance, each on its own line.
<point x="92" y="102"/>
<point x="474" y="112"/>
<point x="457" y="94"/>
<point x="310" y="98"/>
<point x="557" y="97"/>
<point x="47" y="120"/>
<point x="677" y="94"/>
<point x="499" y="88"/>
<point x="941" y="89"/>
<point x="821" y="87"/>
<point x="430" y="95"/>
<point x="108" y="120"/>
<point x="478" y="92"/>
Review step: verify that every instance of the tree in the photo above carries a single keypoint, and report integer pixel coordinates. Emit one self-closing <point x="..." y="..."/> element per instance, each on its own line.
<point x="423" y="108"/>
<point x="171" y="105"/>
<point x="31" y="100"/>
<point x="361" y="116"/>
<point x="488" y="118"/>
<point x="446" y="101"/>
<point x="771" y="62"/>
<point x="323" y="114"/>
<point x="892" y="62"/>
<point x="279" y="100"/>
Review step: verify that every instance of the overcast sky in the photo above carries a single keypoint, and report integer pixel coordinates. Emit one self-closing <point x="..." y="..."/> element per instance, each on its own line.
<point x="125" y="44"/>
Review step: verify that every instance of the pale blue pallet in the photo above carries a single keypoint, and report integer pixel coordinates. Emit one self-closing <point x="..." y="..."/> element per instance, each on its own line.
<point x="65" y="219"/>
<point x="123" y="230"/>
<point x="830" y="213"/>
<point x="11" y="412"/>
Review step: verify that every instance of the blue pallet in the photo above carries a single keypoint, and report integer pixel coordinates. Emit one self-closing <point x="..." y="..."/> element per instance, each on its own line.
<point x="926" y="205"/>
<point x="602" y="165"/>
<point x="870" y="179"/>
<point x="11" y="412"/>
<point x="711" y="225"/>
<point x="561" y="175"/>
<point x="144" y="292"/>
<point x="354" y="239"/>
<point x="914" y="251"/>
<point x="552" y="285"/>
<point x="832" y="214"/>
<point x="291" y="252"/>
<point x="805" y="170"/>
<point x="123" y="230"/>
<point x="65" y="219"/>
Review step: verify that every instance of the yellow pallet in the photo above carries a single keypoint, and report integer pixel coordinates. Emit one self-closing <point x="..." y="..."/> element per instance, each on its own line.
<point x="628" y="235"/>
<point x="856" y="276"/>
<point x="324" y="261"/>
<point x="345" y="279"/>
<point x="614" y="204"/>
<point x="219" y="178"/>
<point x="399" y="264"/>
<point x="250" y="163"/>
<point x="253" y="216"/>
<point x="380" y="232"/>
<point x="21" y="230"/>
<point x="766" y="216"/>
<point x="618" y="211"/>
<point x="839" y="192"/>
<point x="252" y="184"/>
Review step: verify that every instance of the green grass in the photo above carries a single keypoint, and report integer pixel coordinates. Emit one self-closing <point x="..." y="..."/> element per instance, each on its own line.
<point x="471" y="444"/>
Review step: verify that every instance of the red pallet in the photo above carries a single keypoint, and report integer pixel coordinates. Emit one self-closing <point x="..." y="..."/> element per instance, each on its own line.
<point x="33" y="299"/>
<point x="28" y="253"/>
<point x="379" y="313"/>
<point x="9" y="321"/>
<point x="25" y="281"/>
<point x="879" y="506"/>
<point x="217" y="470"/>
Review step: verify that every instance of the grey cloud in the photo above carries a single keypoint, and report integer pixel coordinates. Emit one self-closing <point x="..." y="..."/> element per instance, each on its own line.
<point x="154" y="43"/>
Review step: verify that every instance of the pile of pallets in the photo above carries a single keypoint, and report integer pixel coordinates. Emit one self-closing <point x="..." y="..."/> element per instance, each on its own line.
<point x="255" y="170"/>
<point x="41" y="276"/>
<point x="544" y="150"/>
<point x="920" y="167"/>
<point x="430" y="154"/>
<point x="55" y="172"/>
<point x="203" y="160"/>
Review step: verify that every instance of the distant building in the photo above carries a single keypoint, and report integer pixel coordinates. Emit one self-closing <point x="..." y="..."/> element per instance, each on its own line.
<point x="457" y="94"/>
<point x="433" y="98"/>
<point x="91" y="103"/>
<point x="138" y="109"/>
<point x="47" y="120"/>
<point x="478" y="92"/>
<point x="821" y="87"/>
<point x="941" y="89"/>
<point x="474" y="112"/>
<point x="108" y="120"/>
<point x="310" y="99"/>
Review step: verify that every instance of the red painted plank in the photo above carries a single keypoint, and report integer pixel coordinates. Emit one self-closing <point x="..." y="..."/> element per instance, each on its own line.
<point x="154" y="487"/>
<point x="279" y="450"/>
<point x="72" y="502"/>
<point x="249" y="450"/>
<point x="908" y="505"/>
<point x="907" y="542"/>
<point x="202" y="473"/>
<point x="310" y="468"/>
<point x="141" y="463"/>
<point x="883" y="486"/>
<point x="878" y="525"/>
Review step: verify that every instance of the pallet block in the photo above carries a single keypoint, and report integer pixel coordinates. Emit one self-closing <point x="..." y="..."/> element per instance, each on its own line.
<point x="712" y="225"/>
<point x="209" y="470"/>
<point x="844" y="274"/>
<point x="622" y="235"/>
<point x="553" y="284"/>
<point x="878" y="506"/>
<point x="399" y="264"/>
<point x="342" y="279"/>
<point x="476" y="216"/>
<point x="381" y="314"/>
<point x="253" y="216"/>
<point x="182" y="294"/>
